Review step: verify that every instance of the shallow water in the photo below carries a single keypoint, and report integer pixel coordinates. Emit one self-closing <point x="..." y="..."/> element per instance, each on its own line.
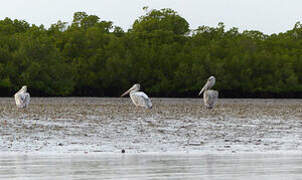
<point x="151" y="166"/>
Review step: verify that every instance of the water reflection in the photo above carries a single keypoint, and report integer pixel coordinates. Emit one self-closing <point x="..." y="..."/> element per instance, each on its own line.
<point x="150" y="166"/>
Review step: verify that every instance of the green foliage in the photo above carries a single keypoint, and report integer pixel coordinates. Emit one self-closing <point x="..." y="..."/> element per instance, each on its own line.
<point x="164" y="19"/>
<point x="92" y="57"/>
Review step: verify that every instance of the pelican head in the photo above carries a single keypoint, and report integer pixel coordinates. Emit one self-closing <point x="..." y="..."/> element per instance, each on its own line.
<point x="23" y="89"/>
<point x="209" y="84"/>
<point x="134" y="88"/>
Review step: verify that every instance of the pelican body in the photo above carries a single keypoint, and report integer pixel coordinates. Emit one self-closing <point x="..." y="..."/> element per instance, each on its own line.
<point x="22" y="97"/>
<point x="209" y="96"/>
<point x="138" y="98"/>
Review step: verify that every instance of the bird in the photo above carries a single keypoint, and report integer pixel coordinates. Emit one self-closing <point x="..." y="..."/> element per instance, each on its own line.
<point x="22" y="97"/>
<point x="138" y="98"/>
<point x="209" y="96"/>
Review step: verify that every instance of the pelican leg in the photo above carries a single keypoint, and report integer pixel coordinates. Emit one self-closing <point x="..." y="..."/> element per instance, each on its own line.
<point x="141" y="126"/>
<point x="139" y="119"/>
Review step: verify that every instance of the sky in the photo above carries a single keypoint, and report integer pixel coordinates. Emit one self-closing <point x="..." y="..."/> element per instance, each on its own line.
<point x="267" y="16"/>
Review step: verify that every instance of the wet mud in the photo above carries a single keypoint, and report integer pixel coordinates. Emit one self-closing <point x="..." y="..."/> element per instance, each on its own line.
<point x="173" y="125"/>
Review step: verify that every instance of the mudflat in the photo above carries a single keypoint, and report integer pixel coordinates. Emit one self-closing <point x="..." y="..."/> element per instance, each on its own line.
<point x="95" y="125"/>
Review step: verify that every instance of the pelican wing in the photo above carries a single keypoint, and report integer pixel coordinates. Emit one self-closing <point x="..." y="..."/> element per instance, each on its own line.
<point x="19" y="100"/>
<point x="22" y="99"/>
<point x="141" y="99"/>
<point x="210" y="97"/>
<point x="26" y="99"/>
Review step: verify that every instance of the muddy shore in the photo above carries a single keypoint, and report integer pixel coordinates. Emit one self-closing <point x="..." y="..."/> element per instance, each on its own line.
<point x="67" y="125"/>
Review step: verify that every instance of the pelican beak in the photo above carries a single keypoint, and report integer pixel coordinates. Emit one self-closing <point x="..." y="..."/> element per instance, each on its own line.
<point x="128" y="91"/>
<point x="203" y="88"/>
<point x="200" y="92"/>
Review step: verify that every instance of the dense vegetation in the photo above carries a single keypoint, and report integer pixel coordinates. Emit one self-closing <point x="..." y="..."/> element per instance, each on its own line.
<point x="91" y="57"/>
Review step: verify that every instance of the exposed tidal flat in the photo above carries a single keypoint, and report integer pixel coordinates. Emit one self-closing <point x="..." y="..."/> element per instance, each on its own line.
<point x="173" y="125"/>
<point x="82" y="138"/>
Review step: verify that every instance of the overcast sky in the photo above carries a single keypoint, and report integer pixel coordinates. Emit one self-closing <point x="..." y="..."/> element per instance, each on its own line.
<point x="268" y="16"/>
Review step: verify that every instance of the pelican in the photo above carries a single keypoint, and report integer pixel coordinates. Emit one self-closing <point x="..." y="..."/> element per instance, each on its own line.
<point x="22" y="97"/>
<point x="138" y="98"/>
<point x="209" y="96"/>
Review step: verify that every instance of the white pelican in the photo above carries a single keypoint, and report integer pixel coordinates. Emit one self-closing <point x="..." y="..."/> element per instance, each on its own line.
<point x="138" y="98"/>
<point x="209" y="96"/>
<point x="22" y="97"/>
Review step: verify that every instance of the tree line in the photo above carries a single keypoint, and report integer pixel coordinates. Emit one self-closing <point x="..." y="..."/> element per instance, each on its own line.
<point x="92" y="57"/>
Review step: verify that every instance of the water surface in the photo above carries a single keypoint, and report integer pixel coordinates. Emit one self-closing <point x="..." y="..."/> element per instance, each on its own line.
<point x="151" y="166"/>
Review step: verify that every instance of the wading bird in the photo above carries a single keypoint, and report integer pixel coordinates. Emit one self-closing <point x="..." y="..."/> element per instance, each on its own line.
<point x="138" y="98"/>
<point x="22" y="97"/>
<point x="209" y="96"/>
